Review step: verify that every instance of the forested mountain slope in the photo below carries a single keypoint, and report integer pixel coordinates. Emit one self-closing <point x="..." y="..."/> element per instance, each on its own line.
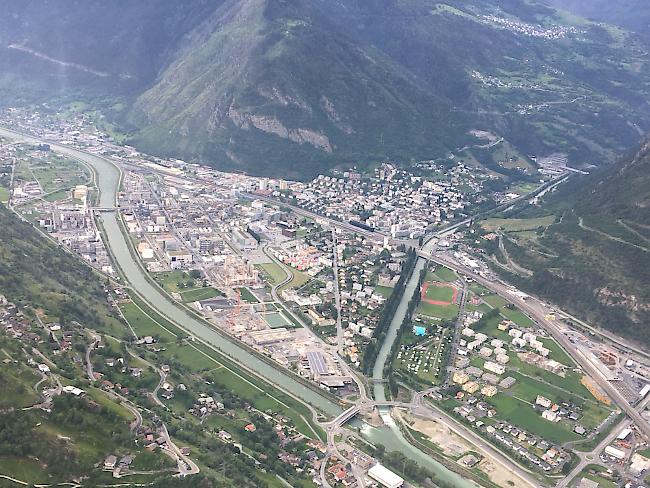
<point x="291" y="87"/>
<point x="630" y="14"/>
<point x="595" y="260"/>
<point x="35" y="271"/>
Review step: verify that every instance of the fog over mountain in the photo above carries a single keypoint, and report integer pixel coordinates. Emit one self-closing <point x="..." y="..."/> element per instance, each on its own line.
<point x="295" y="86"/>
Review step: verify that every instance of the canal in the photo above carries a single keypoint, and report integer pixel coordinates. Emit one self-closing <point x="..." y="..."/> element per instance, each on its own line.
<point x="107" y="179"/>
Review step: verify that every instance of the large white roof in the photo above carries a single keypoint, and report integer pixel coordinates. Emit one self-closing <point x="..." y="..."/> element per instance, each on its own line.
<point x="385" y="476"/>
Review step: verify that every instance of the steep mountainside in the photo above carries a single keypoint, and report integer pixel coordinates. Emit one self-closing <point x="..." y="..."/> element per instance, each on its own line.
<point x="630" y="14"/>
<point x="292" y="86"/>
<point x="117" y="46"/>
<point x="35" y="271"/>
<point x="595" y="260"/>
<point x="277" y="83"/>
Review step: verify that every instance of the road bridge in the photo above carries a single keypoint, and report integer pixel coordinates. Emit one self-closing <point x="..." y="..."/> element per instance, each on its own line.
<point x="354" y="410"/>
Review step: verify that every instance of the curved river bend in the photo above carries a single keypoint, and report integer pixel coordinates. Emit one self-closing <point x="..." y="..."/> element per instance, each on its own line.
<point x="108" y="179"/>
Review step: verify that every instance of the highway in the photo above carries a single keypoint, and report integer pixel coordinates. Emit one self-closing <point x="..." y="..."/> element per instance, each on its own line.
<point x="162" y="305"/>
<point x="591" y="457"/>
<point x="375" y="236"/>
<point x="537" y="310"/>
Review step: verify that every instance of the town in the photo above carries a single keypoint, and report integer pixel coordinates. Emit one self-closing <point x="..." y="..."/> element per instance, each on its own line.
<point x="308" y="277"/>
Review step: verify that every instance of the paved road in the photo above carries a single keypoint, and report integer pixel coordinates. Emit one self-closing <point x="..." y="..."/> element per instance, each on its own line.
<point x="538" y="311"/>
<point x="89" y="364"/>
<point x="337" y="295"/>
<point x="458" y="326"/>
<point x="592" y="456"/>
<point x="186" y="466"/>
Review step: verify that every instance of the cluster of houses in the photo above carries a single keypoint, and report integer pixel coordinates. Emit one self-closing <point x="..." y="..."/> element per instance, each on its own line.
<point x="532" y="448"/>
<point x="206" y="405"/>
<point x="361" y="267"/>
<point x="390" y="199"/>
<point x="556" y="412"/>
<point x="551" y="32"/>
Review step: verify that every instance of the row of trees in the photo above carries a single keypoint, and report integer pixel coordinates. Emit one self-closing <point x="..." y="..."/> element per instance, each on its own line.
<point x="373" y="347"/>
<point x="406" y="324"/>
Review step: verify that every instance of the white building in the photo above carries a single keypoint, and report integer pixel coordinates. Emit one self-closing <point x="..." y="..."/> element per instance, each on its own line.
<point x="615" y="453"/>
<point x="550" y="416"/>
<point x="494" y="367"/>
<point x="385" y="477"/>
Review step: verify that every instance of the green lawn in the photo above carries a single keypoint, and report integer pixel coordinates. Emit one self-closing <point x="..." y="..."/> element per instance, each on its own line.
<point x="56" y="196"/>
<point x="277" y="319"/>
<point x="384" y="291"/>
<point x="528" y="388"/>
<point x="188" y="355"/>
<point x="494" y="300"/>
<point x="518" y="317"/>
<point x="28" y="470"/>
<point x="514" y="314"/>
<point x="59" y="173"/>
<point x="247" y="296"/>
<point x="143" y="324"/>
<point x="446" y="312"/>
<point x="442" y="273"/>
<point x="440" y="293"/>
<point x="198" y="294"/>
<point x="517" y="225"/>
<point x="299" y="279"/>
<point x="524" y="416"/>
<point x="274" y="273"/>
<point x="16" y="384"/>
<point x="175" y="281"/>
<point x="4" y="194"/>
<point x="570" y="382"/>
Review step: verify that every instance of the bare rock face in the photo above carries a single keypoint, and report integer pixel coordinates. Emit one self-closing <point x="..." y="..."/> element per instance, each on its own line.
<point x="272" y="125"/>
<point x="335" y="117"/>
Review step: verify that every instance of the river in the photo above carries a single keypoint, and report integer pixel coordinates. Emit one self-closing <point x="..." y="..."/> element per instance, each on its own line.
<point x="390" y="434"/>
<point x="107" y="179"/>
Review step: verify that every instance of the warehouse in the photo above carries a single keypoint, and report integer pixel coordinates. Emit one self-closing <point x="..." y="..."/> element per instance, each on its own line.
<point x="317" y="363"/>
<point x="385" y="477"/>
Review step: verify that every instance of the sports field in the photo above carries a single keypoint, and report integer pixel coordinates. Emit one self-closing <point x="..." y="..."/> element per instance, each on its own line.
<point x="439" y="293"/>
<point x="198" y="294"/>
<point x="276" y="320"/>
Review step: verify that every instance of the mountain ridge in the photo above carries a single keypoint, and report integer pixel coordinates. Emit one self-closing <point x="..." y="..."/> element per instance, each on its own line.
<point x="594" y="261"/>
<point x="278" y="87"/>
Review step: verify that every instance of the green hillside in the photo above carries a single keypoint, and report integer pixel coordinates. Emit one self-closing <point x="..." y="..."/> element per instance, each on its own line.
<point x="631" y="14"/>
<point x="37" y="273"/>
<point x="594" y="260"/>
<point x="290" y="88"/>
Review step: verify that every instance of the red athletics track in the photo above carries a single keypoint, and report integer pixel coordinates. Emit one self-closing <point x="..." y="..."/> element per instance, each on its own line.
<point x="426" y="286"/>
